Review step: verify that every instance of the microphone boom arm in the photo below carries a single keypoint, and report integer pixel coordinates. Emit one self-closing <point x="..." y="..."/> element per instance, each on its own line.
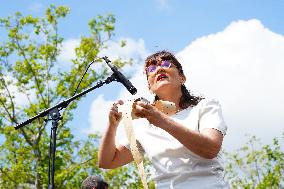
<point x="55" y="117"/>
<point x="55" y="114"/>
<point x="64" y="103"/>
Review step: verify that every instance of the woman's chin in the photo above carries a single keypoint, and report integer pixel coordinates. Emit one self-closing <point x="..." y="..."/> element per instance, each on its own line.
<point x="163" y="86"/>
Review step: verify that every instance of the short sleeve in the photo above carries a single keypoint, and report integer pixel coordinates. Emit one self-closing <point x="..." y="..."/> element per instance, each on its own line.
<point x="124" y="142"/>
<point x="210" y="116"/>
<point x="140" y="127"/>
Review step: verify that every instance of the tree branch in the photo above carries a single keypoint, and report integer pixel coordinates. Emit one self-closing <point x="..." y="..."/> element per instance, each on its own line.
<point x="25" y="58"/>
<point x="13" y="116"/>
<point x="7" y="111"/>
<point x="76" y="165"/>
<point x="26" y="137"/>
<point x="4" y="172"/>
<point x="256" y="165"/>
<point x="40" y="131"/>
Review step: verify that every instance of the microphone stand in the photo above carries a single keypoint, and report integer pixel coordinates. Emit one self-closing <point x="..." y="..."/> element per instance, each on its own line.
<point x="55" y="117"/>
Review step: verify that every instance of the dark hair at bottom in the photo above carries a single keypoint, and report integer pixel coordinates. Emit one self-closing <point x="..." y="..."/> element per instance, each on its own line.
<point x="94" y="182"/>
<point x="102" y="185"/>
<point x="186" y="100"/>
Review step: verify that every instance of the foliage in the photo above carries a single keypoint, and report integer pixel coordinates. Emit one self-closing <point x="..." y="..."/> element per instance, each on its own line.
<point x="31" y="80"/>
<point x="253" y="167"/>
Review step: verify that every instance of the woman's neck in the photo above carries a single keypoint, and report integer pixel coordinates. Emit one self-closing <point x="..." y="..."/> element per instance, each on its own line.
<point x="175" y="98"/>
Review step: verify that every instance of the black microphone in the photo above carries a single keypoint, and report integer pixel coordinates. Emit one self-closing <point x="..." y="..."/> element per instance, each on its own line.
<point x="120" y="77"/>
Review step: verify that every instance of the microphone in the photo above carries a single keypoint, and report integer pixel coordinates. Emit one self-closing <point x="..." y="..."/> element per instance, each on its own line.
<point x="120" y="77"/>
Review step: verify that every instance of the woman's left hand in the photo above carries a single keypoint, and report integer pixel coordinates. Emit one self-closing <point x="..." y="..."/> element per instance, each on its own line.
<point x="146" y="110"/>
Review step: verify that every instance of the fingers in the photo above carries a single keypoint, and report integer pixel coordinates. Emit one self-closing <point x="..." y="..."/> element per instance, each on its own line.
<point x="120" y="102"/>
<point x="114" y="115"/>
<point x="142" y="109"/>
<point x="114" y="106"/>
<point x="144" y="106"/>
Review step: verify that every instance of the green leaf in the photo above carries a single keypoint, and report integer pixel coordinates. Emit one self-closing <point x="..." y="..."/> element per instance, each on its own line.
<point x="34" y="71"/>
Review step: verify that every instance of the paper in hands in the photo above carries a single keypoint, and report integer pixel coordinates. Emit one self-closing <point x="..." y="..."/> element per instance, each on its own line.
<point x="126" y="109"/>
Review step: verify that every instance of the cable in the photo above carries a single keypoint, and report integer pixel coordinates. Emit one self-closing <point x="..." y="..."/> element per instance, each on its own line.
<point x="82" y="78"/>
<point x="85" y="74"/>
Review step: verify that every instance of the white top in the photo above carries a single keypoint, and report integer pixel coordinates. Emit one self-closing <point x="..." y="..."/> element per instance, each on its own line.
<point x="175" y="166"/>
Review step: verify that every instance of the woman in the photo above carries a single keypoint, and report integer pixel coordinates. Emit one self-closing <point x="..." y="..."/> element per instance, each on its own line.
<point x="183" y="147"/>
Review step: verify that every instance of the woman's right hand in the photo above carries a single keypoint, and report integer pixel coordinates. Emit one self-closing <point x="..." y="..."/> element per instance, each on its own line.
<point x="114" y="115"/>
<point x="110" y="155"/>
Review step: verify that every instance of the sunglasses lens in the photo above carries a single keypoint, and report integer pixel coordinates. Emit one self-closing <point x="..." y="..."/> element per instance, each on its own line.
<point x="151" y="68"/>
<point x="165" y="64"/>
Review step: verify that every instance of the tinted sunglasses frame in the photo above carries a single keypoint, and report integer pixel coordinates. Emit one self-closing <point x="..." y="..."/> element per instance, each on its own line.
<point x="165" y="64"/>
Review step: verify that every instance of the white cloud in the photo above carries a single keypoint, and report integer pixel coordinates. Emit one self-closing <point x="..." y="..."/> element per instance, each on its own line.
<point x="20" y="99"/>
<point x="134" y="49"/>
<point x="68" y="50"/>
<point x="98" y="114"/>
<point x="241" y="67"/>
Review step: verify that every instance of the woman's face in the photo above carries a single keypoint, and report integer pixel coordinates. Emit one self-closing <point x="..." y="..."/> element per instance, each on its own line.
<point x="165" y="79"/>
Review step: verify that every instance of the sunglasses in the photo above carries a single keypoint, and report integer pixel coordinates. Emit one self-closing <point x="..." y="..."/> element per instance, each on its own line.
<point x="153" y="67"/>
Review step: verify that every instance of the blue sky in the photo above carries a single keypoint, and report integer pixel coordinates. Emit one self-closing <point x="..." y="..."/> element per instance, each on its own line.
<point x="234" y="50"/>
<point x="164" y="23"/>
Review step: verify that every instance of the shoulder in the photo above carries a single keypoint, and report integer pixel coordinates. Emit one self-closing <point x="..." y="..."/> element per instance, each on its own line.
<point x="209" y="103"/>
<point x="211" y="116"/>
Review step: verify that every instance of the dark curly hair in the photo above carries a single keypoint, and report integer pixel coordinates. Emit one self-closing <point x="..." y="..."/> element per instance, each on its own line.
<point x="186" y="99"/>
<point x="93" y="181"/>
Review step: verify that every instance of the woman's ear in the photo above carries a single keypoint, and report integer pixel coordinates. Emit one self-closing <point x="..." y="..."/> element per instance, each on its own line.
<point x="183" y="79"/>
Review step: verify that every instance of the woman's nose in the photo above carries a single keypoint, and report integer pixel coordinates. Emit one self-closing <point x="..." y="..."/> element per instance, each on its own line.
<point x="159" y="69"/>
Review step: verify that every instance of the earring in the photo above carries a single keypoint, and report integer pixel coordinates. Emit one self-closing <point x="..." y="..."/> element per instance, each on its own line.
<point x="183" y="80"/>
